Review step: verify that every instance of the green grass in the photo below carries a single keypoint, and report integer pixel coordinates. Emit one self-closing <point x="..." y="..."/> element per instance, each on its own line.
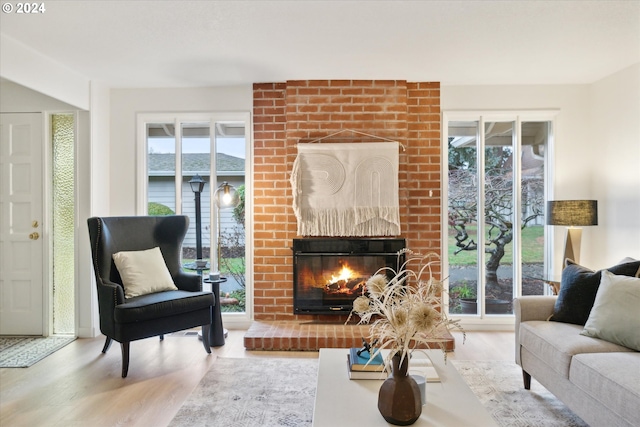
<point x="532" y="247"/>
<point x="236" y="265"/>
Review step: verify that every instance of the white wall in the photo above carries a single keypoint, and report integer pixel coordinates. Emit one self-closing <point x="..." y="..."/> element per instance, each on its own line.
<point x="93" y="200"/>
<point x="85" y="291"/>
<point x="29" y="68"/>
<point x="615" y="165"/>
<point x="19" y="99"/>
<point x="581" y="170"/>
<point x="126" y="103"/>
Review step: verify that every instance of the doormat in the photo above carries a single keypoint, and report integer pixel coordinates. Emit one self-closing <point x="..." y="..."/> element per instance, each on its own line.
<point x="22" y="352"/>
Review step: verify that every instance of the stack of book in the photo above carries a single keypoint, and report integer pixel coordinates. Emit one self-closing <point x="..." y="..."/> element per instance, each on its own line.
<point x="364" y="367"/>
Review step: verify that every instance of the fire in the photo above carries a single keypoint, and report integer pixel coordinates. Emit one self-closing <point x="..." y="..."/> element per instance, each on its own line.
<point x="344" y="281"/>
<point x="344" y="275"/>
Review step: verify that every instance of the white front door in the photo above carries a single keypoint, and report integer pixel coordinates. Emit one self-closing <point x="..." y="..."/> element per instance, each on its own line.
<point x="21" y="215"/>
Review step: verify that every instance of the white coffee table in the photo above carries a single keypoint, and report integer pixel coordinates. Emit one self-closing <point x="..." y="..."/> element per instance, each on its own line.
<point x="344" y="402"/>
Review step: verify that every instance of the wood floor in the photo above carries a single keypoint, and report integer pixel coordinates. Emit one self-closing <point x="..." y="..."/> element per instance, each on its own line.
<point x="80" y="386"/>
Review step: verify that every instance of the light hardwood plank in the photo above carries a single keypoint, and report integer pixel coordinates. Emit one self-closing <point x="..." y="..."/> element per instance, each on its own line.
<point x="80" y="386"/>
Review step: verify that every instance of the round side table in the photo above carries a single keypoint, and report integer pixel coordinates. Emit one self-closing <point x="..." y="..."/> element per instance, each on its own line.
<point x="194" y="267"/>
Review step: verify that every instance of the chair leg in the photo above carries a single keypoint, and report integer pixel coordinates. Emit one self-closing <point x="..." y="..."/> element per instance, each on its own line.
<point x="205" y="337"/>
<point x="526" y="377"/>
<point x="125" y="358"/>
<point x="107" y="344"/>
<point x="161" y="337"/>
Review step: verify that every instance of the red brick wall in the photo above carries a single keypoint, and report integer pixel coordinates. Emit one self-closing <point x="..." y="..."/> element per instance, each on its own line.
<point x="300" y="111"/>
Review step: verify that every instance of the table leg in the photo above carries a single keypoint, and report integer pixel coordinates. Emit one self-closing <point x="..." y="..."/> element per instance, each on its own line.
<point x="216" y="332"/>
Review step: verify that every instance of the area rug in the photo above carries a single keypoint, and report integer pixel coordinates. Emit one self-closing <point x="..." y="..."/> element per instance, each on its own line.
<point x="280" y="392"/>
<point x="253" y="392"/>
<point x="22" y="352"/>
<point x="498" y="385"/>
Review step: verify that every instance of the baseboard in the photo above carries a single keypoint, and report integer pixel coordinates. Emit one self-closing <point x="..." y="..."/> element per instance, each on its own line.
<point x="88" y="332"/>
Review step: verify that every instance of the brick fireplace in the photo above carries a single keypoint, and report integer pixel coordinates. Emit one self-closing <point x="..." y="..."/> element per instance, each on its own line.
<point x="292" y="112"/>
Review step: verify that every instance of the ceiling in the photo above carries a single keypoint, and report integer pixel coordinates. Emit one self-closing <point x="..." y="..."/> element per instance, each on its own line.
<point x="213" y="43"/>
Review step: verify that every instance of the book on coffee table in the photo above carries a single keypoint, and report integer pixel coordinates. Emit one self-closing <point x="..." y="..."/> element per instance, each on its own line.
<point x="363" y="361"/>
<point x="365" y="375"/>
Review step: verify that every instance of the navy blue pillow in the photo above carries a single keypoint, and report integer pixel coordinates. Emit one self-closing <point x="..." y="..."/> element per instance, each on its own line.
<point x="578" y="289"/>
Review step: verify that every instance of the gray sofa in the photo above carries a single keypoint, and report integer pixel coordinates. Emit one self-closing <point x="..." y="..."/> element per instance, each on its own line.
<point x="596" y="379"/>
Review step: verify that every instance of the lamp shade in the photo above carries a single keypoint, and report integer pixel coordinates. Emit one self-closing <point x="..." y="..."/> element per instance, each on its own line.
<point x="570" y="213"/>
<point x="225" y="196"/>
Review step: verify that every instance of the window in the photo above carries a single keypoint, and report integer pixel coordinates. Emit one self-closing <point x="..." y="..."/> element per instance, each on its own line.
<point x="496" y="185"/>
<point x="178" y="148"/>
<point x="62" y="222"/>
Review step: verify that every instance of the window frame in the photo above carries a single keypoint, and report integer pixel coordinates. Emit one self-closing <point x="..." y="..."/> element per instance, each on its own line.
<point x="518" y="117"/>
<point x="232" y="320"/>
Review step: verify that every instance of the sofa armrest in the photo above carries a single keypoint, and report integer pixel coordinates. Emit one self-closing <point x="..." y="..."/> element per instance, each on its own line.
<point x="531" y="307"/>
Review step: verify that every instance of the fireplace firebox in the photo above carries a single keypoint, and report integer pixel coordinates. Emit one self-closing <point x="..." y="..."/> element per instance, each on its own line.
<point x="330" y="273"/>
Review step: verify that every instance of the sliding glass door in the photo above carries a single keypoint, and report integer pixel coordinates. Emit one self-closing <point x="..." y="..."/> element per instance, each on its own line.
<point x="495" y="185"/>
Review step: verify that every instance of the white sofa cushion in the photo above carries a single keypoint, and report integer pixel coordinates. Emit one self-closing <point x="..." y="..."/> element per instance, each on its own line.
<point x="556" y="343"/>
<point x="613" y="379"/>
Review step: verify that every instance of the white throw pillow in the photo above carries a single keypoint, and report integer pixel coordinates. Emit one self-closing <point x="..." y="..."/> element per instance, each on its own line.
<point x="614" y="316"/>
<point x="143" y="272"/>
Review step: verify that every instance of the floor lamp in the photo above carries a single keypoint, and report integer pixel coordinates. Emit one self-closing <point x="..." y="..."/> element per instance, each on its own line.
<point x="224" y="197"/>
<point x="573" y="214"/>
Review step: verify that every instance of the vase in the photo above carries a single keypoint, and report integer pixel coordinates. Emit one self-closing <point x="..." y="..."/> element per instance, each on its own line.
<point x="399" y="399"/>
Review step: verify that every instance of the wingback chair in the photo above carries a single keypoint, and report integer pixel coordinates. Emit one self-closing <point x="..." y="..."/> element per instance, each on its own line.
<point x="126" y="319"/>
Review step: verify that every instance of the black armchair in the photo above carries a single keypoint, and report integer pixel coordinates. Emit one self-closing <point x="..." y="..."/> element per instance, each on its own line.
<point x="129" y="319"/>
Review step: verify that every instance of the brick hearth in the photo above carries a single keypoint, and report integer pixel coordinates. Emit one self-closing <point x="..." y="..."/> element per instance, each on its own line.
<point x="295" y="335"/>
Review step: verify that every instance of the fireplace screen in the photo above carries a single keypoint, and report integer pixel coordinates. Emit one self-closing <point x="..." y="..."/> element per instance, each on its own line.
<point x="330" y="273"/>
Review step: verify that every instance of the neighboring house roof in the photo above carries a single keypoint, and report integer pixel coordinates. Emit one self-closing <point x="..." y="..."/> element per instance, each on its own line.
<point x="531" y="163"/>
<point x="164" y="163"/>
